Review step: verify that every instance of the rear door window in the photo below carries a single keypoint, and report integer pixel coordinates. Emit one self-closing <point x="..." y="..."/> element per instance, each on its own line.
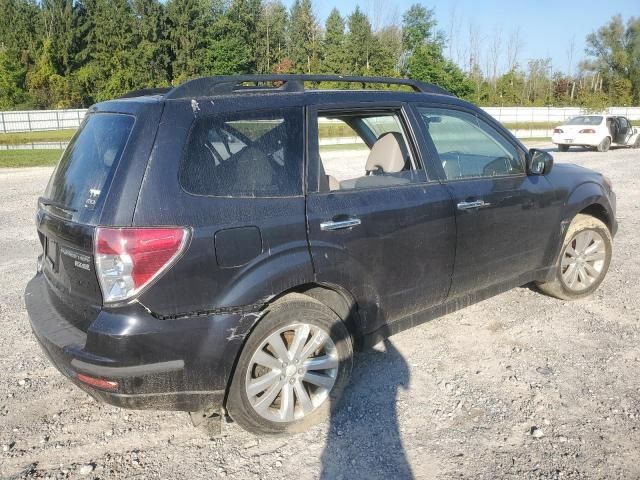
<point x="80" y="181"/>
<point x="248" y="154"/>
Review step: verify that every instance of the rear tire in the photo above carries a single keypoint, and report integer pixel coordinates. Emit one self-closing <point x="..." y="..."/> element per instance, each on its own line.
<point x="563" y="148"/>
<point x="605" y="144"/>
<point x="296" y="337"/>
<point x="583" y="261"/>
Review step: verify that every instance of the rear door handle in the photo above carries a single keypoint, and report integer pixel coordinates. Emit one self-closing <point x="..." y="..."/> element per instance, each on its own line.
<point x="340" y="224"/>
<point x="472" y="205"/>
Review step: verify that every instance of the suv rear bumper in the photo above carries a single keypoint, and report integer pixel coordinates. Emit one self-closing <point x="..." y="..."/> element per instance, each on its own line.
<point x="179" y="364"/>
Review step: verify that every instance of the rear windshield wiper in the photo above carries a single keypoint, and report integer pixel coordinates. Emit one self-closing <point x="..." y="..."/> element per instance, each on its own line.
<point x="53" y="203"/>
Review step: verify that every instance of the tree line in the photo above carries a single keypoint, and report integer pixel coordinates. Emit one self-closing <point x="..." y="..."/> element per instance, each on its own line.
<point x="72" y="53"/>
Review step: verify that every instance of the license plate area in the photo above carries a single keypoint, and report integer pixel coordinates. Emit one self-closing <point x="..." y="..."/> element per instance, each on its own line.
<point x="568" y="140"/>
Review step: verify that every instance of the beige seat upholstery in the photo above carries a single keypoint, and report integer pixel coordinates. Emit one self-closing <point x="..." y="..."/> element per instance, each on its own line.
<point x="334" y="184"/>
<point x="388" y="156"/>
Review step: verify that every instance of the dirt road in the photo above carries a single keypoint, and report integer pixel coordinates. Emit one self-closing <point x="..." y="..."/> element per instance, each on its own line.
<point x="519" y="386"/>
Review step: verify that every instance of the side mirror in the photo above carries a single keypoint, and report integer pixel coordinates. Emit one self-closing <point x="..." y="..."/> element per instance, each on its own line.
<point x="539" y="162"/>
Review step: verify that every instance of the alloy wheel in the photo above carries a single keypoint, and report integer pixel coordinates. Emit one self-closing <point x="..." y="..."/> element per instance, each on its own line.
<point x="583" y="260"/>
<point x="292" y="372"/>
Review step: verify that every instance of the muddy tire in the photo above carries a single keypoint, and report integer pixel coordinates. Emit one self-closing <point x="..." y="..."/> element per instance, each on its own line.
<point x="583" y="261"/>
<point x="293" y="368"/>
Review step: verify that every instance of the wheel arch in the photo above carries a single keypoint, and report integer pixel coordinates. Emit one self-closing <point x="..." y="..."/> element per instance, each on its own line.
<point x="599" y="211"/>
<point x="334" y="297"/>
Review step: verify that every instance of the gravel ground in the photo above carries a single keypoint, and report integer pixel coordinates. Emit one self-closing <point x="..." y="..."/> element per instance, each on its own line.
<point x="518" y="386"/>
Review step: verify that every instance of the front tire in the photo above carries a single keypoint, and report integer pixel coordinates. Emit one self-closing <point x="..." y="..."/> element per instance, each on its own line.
<point x="604" y="145"/>
<point x="293" y="368"/>
<point x="584" y="260"/>
<point x="563" y="148"/>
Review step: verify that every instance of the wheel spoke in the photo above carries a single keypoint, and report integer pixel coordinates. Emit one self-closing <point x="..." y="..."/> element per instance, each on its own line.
<point x="324" y="362"/>
<point x="569" y="274"/>
<point x="594" y="247"/>
<point x="595" y="256"/>
<point x="267" y="360"/>
<point x="591" y="270"/>
<point x="279" y="347"/>
<point x="286" y="402"/>
<point x="260" y="384"/>
<point x="323" y="381"/>
<point x="302" y="333"/>
<point x="303" y="397"/>
<point x="585" y="279"/>
<point x="317" y="340"/>
<point x="570" y="251"/>
<point x="267" y="399"/>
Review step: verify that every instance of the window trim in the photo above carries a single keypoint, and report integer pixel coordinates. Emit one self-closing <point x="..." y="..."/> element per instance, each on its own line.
<point x="500" y="130"/>
<point x="400" y="109"/>
<point x="300" y="109"/>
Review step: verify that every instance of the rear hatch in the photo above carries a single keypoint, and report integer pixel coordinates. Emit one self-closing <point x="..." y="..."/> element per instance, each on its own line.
<point x="72" y="207"/>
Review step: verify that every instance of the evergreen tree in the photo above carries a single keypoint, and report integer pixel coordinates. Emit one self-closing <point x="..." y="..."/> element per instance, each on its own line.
<point x="151" y="56"/>
<point x="190" y="36"/>
<point x="109" y="71"/>
<point x="58" y="31"/>
<point x="428" y="64"/>
<point x="334" y="58"/>
<point x="20" y="29"/>
<point x="418" y="25"/>
<point x="304" y="44"/>
<point x="12" y="79"/>
<point x="359" y="43"/>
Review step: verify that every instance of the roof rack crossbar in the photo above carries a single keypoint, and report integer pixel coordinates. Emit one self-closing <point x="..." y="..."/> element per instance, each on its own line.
<point x="227" y="84"/>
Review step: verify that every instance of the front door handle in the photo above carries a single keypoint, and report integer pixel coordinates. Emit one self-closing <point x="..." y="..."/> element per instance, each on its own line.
<point x="472" y="205"/>
<point x="340" y="224"/>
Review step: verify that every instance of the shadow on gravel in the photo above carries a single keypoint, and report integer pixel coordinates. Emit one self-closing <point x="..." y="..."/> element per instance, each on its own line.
<point x="364" y="438"/>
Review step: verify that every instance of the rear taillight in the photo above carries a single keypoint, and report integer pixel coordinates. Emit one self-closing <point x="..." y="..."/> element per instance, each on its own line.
<point x="558" y="130"/>
<point x="128" y="259"/>
<point x="587" y="130"/>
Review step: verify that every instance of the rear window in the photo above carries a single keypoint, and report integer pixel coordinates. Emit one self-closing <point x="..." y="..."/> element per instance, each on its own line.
<point x="585" y="120"/>
<point x="80" y="180"/>
<point x="248" y="154"/>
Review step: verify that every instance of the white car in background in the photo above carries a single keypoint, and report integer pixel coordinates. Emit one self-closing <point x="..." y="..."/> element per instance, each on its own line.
<point x="596" y="131"/>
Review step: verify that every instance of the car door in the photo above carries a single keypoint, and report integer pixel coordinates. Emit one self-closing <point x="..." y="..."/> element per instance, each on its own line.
<point x="386" y="237"/>
<point x="624" y="132"/>
<point x="503" y="216"/>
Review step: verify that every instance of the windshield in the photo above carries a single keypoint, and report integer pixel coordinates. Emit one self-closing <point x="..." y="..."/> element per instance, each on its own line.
<point x="87" y="165"/>
<point x="585" y="120"/>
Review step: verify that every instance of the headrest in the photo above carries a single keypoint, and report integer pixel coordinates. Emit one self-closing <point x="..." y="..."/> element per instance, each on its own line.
<point x="387" y="154"/>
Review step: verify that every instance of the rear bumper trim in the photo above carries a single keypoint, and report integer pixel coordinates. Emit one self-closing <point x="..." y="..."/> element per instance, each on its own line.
<point x="131" y="371"/>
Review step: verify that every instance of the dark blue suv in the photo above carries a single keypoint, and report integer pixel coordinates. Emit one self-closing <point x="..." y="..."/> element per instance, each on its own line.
<point x="223" y="246"/>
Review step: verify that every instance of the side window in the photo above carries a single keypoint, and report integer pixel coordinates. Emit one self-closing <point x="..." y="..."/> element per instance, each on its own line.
<point x="248" y="154"/>
<point x="359" y="150"/>
<point x="468" y="147"/>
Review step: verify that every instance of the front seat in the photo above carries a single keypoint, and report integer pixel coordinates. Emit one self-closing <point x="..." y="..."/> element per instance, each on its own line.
<point x="388" y="157"/>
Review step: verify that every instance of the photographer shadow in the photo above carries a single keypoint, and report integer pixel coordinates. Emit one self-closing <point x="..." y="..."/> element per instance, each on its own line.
<point x="364" y="441"/>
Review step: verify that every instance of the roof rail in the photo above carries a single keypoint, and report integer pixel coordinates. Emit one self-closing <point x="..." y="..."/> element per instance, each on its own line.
<point x="145" y="92"/>
<point x="227" y="84"/>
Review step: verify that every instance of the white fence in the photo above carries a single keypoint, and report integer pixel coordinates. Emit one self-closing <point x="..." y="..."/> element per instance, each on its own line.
<point x="33" y="120"/>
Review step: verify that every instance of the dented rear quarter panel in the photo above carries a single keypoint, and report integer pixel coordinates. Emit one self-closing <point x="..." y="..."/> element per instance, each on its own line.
<point x="197" y="283"/>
